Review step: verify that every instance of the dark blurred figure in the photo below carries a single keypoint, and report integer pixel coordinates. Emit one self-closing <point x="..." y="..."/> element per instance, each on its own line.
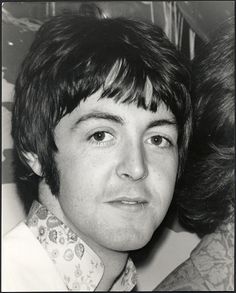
<point x="206" y="203"/>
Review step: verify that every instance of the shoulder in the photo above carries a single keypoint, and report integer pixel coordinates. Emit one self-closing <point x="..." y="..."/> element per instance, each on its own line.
<point x="214" y="259"/>
<point x="25" y="264"/>
<point x="17" y="240"/>
<point x="184" y="278"/>
<point x="209" y="268"/>
<point x="19" y="244"/>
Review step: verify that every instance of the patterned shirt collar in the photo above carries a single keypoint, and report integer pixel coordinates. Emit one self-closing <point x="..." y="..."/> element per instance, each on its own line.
<point x="79" y="266"/>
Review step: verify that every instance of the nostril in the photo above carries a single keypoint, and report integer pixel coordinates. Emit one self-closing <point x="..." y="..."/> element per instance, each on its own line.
<point x="126" y="175"/>
<point x="134" y="178"/>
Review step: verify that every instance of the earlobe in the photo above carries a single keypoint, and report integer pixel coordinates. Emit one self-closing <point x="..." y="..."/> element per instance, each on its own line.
<point x="33" y="162"/>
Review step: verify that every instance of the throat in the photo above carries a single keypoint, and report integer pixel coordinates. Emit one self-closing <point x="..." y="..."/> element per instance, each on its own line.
<point x="114" y="263"/>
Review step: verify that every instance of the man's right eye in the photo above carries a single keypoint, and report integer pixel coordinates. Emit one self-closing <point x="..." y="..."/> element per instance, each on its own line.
<point x="101" y="137"/>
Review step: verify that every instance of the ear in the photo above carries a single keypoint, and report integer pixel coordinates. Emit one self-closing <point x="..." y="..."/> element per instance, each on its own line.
<point x="33" y="162"/>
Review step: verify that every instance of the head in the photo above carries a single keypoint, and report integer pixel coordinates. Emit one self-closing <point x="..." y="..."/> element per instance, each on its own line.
<point x="207" y="199"/>
<point x="92" y="99"/>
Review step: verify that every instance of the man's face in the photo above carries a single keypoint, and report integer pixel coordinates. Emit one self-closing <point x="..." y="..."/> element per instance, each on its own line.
<point x="117" y="166"/>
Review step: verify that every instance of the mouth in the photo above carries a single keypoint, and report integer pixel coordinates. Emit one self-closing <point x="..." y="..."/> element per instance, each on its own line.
<point x="132" y="204"/>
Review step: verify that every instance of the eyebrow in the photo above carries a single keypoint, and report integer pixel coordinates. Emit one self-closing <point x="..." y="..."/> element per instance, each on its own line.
<point x="119" y="120"/>
<point x="162" y="122"/>
<point x="100" y="115"/>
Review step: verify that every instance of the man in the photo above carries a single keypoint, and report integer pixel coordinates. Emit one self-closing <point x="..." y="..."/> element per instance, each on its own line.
<point x="102" y="118"/>
<point x="206" y="203"/>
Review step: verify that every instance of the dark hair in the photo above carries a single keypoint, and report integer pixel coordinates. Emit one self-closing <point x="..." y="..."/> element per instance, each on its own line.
<point x="71" y="58"/>
<point x="207" y="198"/>
<point x="91" y="9"/>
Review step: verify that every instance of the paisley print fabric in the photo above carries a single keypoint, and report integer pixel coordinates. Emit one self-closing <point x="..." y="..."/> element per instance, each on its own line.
<point x="210" y="266"/>
<point x="80" y="268"/>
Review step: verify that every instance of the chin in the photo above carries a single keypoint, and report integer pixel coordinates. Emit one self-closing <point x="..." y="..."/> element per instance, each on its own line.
<point x="130" y="242"/>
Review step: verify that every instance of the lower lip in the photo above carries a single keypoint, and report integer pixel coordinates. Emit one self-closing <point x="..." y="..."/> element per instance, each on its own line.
<point x="128" y="207"/>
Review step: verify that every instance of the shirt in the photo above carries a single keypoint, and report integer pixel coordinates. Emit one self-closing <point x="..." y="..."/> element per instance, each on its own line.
<point x="77" y="266"/>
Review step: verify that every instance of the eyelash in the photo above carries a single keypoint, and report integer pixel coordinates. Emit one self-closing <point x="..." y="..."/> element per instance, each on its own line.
<point x="168" y="141"/>
<point x="92" y="140"/>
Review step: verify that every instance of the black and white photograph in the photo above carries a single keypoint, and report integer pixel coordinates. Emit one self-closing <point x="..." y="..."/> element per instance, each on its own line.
<point x="118" y="146"/>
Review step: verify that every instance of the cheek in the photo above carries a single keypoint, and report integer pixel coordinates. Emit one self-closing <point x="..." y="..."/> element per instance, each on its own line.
<point x="162" y="184"/>
<point x="82" y="173"/>
<point x="163" y="177"/>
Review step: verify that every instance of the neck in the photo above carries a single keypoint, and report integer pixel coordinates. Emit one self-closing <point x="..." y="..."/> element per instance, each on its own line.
<point x="114" y="261"/>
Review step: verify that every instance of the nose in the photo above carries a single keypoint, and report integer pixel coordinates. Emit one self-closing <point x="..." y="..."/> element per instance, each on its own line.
<point x="132" y="163"/>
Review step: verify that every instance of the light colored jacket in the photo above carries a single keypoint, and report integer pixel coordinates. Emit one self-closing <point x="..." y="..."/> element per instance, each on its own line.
<point x="210" y="266"/>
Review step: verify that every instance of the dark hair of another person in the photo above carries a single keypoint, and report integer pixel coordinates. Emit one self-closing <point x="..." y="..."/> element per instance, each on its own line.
<point x="207" y="199"/>
<point x="71" y="58"/>
<point x="90" y="9"/>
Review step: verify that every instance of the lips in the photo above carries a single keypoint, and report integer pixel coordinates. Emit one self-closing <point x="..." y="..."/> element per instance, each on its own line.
<point x="129" y="203"/>
<point x="129" y="200"/>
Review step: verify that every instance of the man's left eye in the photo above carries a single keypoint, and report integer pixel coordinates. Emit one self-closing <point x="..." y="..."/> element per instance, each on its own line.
<point x="101" y="136"/>
<point x="159" y="141"/>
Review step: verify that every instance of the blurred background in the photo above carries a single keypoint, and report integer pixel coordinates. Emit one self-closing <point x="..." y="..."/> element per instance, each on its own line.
<point x="188" y="24"/>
